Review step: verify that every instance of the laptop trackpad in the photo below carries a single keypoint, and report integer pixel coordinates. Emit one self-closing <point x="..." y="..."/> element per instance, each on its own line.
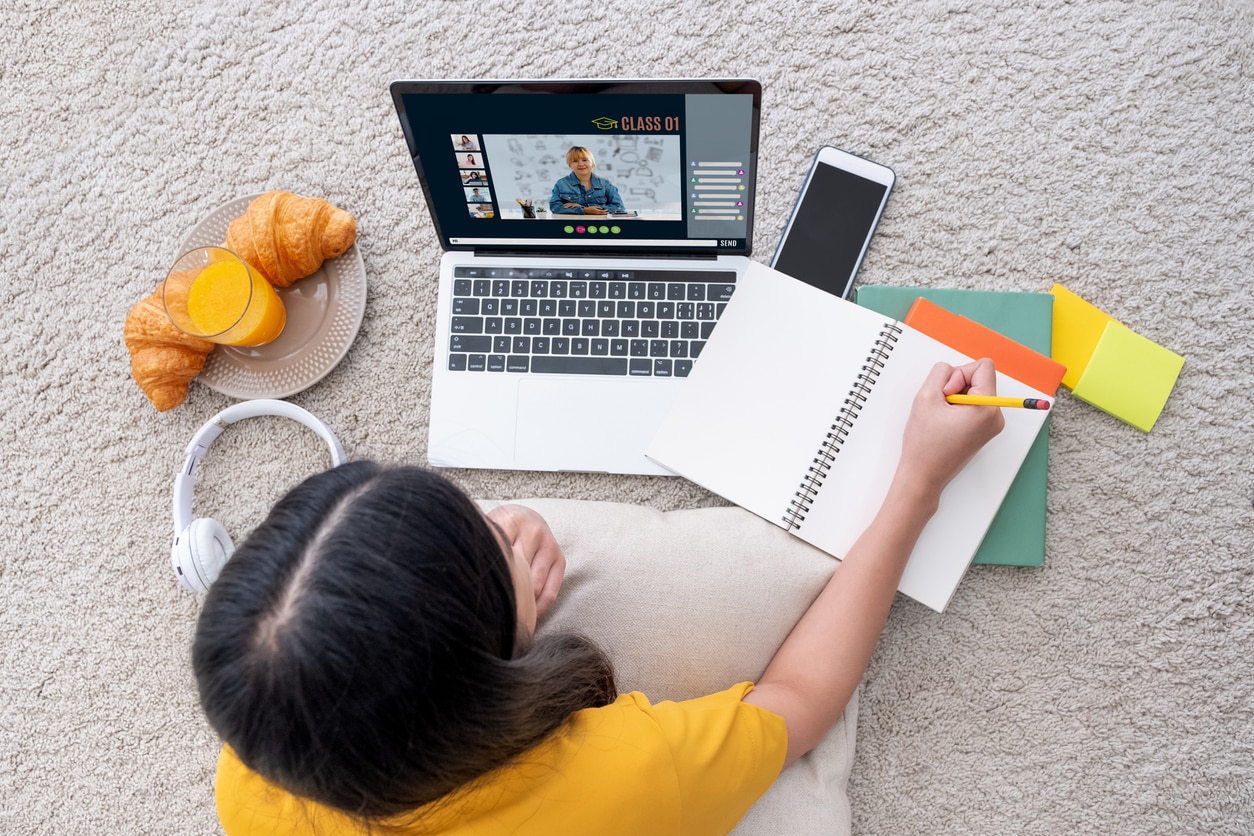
<point x="590" y="424"/>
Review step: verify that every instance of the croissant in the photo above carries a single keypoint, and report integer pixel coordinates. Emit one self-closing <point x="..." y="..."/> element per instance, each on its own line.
<point x="287" y="237"/>
<point x="163" y="359"/>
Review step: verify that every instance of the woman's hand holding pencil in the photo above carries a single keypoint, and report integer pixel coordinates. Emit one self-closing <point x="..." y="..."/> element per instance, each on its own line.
<point x="939" y="441"/>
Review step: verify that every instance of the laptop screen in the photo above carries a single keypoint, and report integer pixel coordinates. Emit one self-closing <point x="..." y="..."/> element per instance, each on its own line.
<point x="586" y="166"/>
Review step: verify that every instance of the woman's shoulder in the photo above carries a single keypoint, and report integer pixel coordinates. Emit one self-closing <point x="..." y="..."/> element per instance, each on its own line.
<point x="723" y="712"/>
<point x="653" y="730"/>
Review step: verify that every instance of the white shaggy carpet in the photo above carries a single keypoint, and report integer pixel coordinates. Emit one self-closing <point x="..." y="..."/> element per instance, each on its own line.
<point x="1107" y="145"/>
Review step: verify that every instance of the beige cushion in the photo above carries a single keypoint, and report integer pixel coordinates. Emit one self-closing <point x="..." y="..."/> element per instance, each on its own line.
<point x="691" y="602"/>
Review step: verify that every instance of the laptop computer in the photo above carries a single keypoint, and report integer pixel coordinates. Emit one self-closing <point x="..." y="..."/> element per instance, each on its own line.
<point x="593" y="232"/>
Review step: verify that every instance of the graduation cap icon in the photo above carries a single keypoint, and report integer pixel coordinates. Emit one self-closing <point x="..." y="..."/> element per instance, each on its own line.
<point x="605" y="123"/>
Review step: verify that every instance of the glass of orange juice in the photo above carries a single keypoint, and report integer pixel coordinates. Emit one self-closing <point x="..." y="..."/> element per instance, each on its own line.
<point x="212" y="293"/>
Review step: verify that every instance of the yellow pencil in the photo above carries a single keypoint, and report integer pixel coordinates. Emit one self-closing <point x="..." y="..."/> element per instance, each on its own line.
<point x="990" y="400"/>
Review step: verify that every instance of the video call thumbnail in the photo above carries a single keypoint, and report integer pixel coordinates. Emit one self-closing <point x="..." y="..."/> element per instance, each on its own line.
<point x="474" y="177"/>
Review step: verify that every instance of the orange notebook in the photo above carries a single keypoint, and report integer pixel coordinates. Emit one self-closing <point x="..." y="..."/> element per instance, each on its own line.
<point x="974" y="340"/>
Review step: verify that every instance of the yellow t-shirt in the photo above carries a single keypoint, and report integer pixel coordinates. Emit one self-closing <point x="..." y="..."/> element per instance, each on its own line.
<point x="692" y="767"/>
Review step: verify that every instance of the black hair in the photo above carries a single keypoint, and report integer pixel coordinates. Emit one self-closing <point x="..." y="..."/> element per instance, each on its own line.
<point x="361" y="648"/>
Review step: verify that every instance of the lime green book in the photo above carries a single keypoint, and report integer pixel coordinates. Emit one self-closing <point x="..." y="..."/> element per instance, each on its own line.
<point x="1017" y="534"/>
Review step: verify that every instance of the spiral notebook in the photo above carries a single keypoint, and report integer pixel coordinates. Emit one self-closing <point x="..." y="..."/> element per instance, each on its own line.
<point x="796" y="413"/>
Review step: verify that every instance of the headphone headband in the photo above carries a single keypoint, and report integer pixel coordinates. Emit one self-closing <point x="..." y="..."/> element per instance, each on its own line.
<point x="207" y="434"/>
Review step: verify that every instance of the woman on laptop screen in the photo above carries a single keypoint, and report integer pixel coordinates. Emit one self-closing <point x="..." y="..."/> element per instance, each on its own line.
<point x="368" y="656"/>
<point x="582" y="192"/>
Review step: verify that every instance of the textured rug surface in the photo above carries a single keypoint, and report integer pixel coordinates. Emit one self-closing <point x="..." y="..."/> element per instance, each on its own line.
<point x="1105" y="145"/>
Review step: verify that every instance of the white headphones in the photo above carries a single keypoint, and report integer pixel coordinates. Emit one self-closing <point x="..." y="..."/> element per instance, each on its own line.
<point x="201" y="545"/>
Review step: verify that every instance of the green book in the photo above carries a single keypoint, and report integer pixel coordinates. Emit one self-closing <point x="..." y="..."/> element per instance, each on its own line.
<point x="1017" y="534"/>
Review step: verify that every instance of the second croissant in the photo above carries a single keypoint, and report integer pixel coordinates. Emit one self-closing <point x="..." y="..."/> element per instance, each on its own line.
<point x="286" y="237"/>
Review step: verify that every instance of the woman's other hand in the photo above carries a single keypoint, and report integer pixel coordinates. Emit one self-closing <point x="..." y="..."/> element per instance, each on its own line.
<point x="528" y="532"/>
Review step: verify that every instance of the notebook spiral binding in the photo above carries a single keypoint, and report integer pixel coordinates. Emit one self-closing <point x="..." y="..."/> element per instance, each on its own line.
<point x="856" y="398"/>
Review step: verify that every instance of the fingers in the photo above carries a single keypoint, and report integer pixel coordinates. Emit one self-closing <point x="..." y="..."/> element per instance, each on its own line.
<point x="530" y="535"/>
<point x="982" y="377"/>
<point x="546" y="579"/>
<point x="945" y="379"/>
<point x="978" y="377"/>
<point x="983" y="422"/>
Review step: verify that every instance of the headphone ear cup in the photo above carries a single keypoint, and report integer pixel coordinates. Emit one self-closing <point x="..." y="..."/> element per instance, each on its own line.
<point x="201" y="552"/>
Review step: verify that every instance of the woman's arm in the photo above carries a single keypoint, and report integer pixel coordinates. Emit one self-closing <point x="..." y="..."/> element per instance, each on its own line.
<point x="557" y="203"/>
<point x="613" y="200"/>
<point x="817" y="669"/>
<point x="565" y="198"/>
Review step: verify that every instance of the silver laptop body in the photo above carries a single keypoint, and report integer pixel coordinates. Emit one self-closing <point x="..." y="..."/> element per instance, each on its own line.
<point x="562" y="336"/>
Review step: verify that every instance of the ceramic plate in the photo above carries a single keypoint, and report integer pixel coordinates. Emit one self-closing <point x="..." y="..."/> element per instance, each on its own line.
<point x="324" y="313"/>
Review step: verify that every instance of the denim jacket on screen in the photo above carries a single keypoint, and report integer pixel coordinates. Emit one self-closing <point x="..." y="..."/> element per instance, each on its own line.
<point x="568" y="190"/>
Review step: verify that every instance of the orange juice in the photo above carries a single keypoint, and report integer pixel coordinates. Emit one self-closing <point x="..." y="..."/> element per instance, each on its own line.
<point x="235" y="304"/>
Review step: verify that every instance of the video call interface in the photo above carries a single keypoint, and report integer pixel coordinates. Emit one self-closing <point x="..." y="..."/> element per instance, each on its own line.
<point x="621" y="170"/>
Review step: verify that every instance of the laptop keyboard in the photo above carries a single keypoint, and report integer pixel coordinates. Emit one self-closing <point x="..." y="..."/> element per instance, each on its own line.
<point x="638" y="323"/>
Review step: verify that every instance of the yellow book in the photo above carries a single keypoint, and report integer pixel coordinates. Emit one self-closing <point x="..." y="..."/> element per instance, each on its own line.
<point x="1129" y="376"/>
<point x="1077" y="329"/>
